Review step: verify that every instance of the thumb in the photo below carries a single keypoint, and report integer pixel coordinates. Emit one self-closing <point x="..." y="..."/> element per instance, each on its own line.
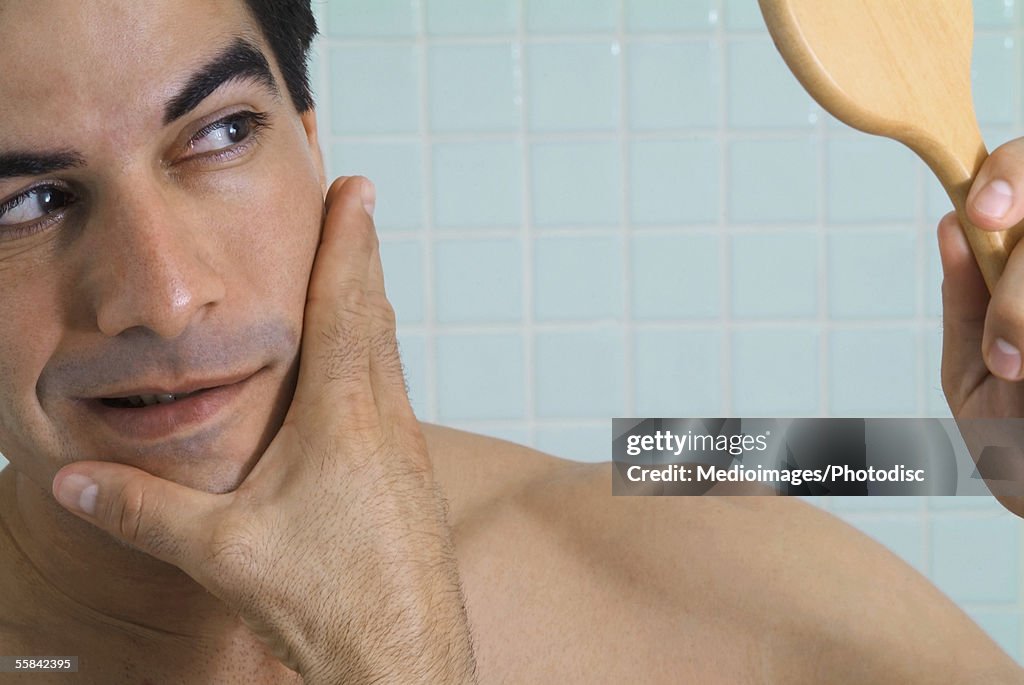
<point x="964" y="305"/>
<point x="154" y="515"/>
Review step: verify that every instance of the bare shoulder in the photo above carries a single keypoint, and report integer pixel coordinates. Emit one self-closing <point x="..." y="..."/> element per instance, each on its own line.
<point x="477" y="470"/>
<point x="714" y="589"/>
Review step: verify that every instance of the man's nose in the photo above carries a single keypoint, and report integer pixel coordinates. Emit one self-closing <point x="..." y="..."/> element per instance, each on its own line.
<point x="148" y="266"/>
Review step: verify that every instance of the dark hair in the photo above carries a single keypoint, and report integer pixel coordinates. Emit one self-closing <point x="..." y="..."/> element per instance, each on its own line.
<point x="289" y="27"/>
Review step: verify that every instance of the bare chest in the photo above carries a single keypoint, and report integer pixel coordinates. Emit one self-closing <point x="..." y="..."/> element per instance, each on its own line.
<point x="116" y="660"/>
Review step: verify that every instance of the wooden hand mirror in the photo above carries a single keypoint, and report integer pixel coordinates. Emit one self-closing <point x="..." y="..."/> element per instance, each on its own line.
<point x="900" y="69"/>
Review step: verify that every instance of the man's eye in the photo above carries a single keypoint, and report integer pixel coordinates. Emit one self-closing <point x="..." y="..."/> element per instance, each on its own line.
<point x="34" y="205"/>
<point x="227" y="132"/>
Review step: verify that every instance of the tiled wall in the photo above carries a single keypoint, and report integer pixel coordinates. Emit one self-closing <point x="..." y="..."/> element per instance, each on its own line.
<point x="599" y="208"/>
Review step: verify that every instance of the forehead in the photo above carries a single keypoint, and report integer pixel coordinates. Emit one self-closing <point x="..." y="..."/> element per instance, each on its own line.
<point x="83" y="64"/>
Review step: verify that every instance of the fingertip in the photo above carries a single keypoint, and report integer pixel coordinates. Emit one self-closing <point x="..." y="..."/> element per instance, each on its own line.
<point x="991" y="204"/>
<point x="996" y="199"/>
<point x="1004" y="360"/>
<point x="335" y="189"/>
<point x="953" y="245"/>
<point x="368" y="193"/>
<point x="357" y="187"/>
<point x="76" y="492"/>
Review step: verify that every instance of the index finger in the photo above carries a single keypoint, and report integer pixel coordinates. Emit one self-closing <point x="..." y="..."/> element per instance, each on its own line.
<point x="334" y="371"/>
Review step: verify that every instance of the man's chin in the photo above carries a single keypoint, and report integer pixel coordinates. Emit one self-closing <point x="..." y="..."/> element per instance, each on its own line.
<point x="214" y="466"/>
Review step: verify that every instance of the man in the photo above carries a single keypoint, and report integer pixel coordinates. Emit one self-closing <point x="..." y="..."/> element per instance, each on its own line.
<point x="215" y="475"/>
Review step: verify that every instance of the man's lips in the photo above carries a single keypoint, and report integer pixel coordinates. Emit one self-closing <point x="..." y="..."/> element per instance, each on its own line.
<point x="205" y="400"/>
<point x="170" y="387"/>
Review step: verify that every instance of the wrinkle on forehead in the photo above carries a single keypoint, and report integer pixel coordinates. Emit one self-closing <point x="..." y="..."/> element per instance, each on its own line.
<point x="79" y="72"/>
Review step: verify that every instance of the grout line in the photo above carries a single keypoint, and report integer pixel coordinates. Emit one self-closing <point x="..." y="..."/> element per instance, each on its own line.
<point x="690" y="325"/>
<point x="824" y="329"/>
<point x="726" y="236"/>
<point x="526" y="230"/>
<point x="427" y="208"/>
<point x="620" y="49"/>
<point x="591" y="135"/>
<point x="587" y="37"/>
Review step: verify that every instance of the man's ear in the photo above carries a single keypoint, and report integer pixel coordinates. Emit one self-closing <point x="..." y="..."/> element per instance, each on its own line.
<point x="309" y="124"/>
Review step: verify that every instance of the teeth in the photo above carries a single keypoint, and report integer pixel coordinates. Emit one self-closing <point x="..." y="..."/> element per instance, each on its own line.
<point x="136" y="401"/>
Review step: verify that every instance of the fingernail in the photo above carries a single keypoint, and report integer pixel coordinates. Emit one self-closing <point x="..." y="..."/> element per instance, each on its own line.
<point x="78" y="493"/>
<point x="995" y="199"/>
<point x="1005" y="360"/>
<point x="369" y="194"/>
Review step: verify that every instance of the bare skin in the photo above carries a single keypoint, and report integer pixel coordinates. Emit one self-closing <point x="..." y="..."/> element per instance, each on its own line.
<point x="565" y="584"/>
<point x="188" y="251"/>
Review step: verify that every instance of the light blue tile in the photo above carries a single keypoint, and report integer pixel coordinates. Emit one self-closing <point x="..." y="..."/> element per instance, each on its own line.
<point x="773" y="180"/>
<point x="397" y="171"/>
<point x="763" y="93"/>
<point x="678" y="373"/>
<point x="662" y="16"/>
<point x="743" y="14"/>
<point x="573" y="87"/>
<point x="577" y="277"/>
<point x="478" y="185"/>
<point x="775" y="275"/>
<point x="571" y="16"/>
<point x="413" y="350"/>
<point x="675" y="276"/>
<point x="982" y="504"/>
<point x="870" y="179"/>
<point x="881" y="503"/>
<point x="674" y="181"/>
<point x="358" y="18"/>
<point x="871" y="273"/>
<point x="3" y="462"/>
<point x="472" y="88"/>
<point x="517" y="432"/>
<point x="673" y="85"/>
<point x="995" y="13"/>
<point x="403" y="278"/>
<point x="994" y="80"/>
<point x="995" y="135"/>
<point x="935" y="398"/>
<point x="902" y="536"/>
<point x="576" y="183"/>
<point x="478" y="280"/>
<point x="375" y="89"/>
<point x="579" y="374"/>
<point x="977" y="560"/>
<point x="582" y="443"/>
<point x="775" y="372"/>
<point x="451" y="17"/>
<point x="480" y="376"/>
<point x="873" y="373"/>
<point x="1003" y="627"/>
<point x="823" y="502"/>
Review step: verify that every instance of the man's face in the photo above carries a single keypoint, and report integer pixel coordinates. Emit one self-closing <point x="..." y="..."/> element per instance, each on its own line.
<point x="160" y="206"/>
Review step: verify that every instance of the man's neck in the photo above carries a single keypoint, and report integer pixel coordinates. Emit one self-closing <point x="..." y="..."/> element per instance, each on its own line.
<point x="88" y="577"/>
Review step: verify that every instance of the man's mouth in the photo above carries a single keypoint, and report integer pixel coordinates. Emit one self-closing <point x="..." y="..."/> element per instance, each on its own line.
<point x="136" y="401"/>
<point x="158" y="410"/>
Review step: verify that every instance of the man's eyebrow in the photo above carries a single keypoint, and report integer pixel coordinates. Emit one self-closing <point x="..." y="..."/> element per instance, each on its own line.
<point x="240" y="60"/>
<point x="15" y="164"/>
